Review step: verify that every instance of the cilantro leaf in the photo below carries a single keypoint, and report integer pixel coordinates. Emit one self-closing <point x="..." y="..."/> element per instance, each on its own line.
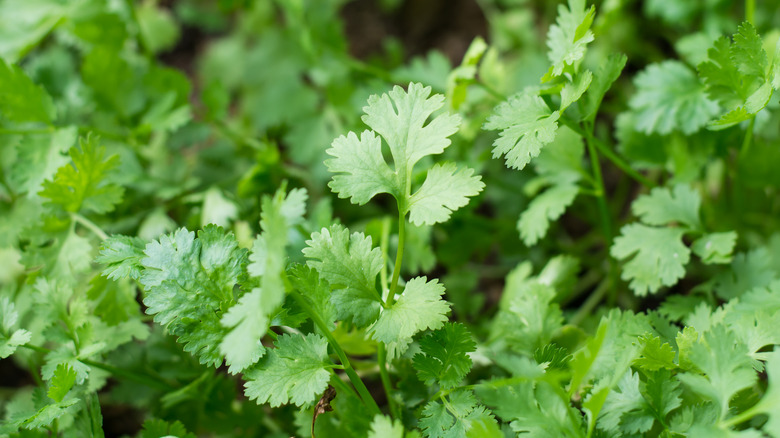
<point x="122" y="256"/>
<point x="663" y="206"/>
<point x="726" y="366"/>
<point x="418" y="308"/>
<point x="249" y="319"/>
<point x="188" y="282"/>
<point x="462" y="416"/>
<point x="350" y="265"/>
<point x="573" y="90"/>
<point x="385" y="427"/>
<point x="621" y="401"/>
<point x="63" y="380"/>
<point x="399" y="117"/>
<point x="444" y="358"/>
<point x="293" y="372"/>
<point x="670" y="98"/>
<point x="445" y="190"/>
<point x="21" y="100"/>
<point x="361" y="170"/>
<point x="159" y="428"/>
<point x="83" y="185"/>
<point x="526" y="124"/>
<point x="657" y="256"/>
<point x="605" y="76"/>
<point x="654" y="355"/>
<point x="738" y="75"/>
<point x="715" y="248"/>
<point x="10" y="337"/>
<point x="38" y="158"/>
<point x="569" y="36"/>
<point x="547" y="207"/>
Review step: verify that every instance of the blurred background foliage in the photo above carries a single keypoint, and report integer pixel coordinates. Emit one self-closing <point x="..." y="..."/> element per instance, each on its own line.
<point x="210" y="104"/>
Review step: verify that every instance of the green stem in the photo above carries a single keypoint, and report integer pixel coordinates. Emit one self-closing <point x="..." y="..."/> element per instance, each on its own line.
<point x="129" y="375"/>
<point x="607" y="152"/>
<point x="748" y="140"/>
<point x="89" y="225"/>
<point x="25" y="131"/>
<point x="750" y="11"/>
<point x="348" y="369"/>
<point x="384" y="243"/>
<point x="386" y="383"/>
<point x="742" y="417"/>
<point x="143" y="379"/>
<point x="399" y="256"/>
<point x="593" y="300"/>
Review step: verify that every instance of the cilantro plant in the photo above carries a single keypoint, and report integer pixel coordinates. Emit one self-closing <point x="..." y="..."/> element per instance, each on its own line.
<point x="222" y="219"/>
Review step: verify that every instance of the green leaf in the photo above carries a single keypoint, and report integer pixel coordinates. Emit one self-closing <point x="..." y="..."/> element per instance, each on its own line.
<point x="444" y="358"/>
<point x="160" y="429"/>
<point x="38" y="158"/>
<point x="361" y="170"/>
<point x="296" y="371"/>
<point x="63" y="380"/>
<point x="547" y="207"/>
<point x="83" y="185"/>
<point x="573" y="90"/>
<point x="385" y="427"/>
<point x="747" y="271"/>
<point x="399" y="117"/>
<point x="457" y="418"/>
<point x="620" y="402"/>
<point x="11" y="337"/>
<point x="715" y="248"/>
<point x="189" y="282"/>
<point x="159" y="30"/>
<point x="526" y="125"/>
<point x="569" y="36"/>
<point x="654" y="355"/>
<point x="670" y="98"/>
<point x="605" y="76"/>
<point x="726" y="366"/>
<point x="122" y="256"/>
<point x="350" y="265"/>
<point x="445" y="190"/>
<point x="657" y="256"/>
<point x="21" y="100"/>
<point x="420" y="307"/>
<point x="663" y="206"/>
<point x="738" y="75"/>
<point x="249" y="319"/>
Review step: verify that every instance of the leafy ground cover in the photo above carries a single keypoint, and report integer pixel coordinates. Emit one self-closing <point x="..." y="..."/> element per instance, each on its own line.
<point x="493" y="219"/>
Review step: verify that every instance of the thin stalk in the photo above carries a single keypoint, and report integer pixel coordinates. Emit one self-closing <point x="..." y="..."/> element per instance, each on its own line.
<point x="607" y="152"/>
<point x="384" y="243"/>
<point x="742" y="417"/>
<point x="386" y="383"/>
<point x="593" y="300"/>
<point x="750" y="11"/>
<point x="399" y="256"/>
<point x="601" y="194"/>
<point x="748" y="140"/>
<point x="143" y="379"/>
<point x="25" y="131"/>
<point x="348" y="369"/>
<point x="342" y="384"/>
<point x="91" y="226"/>
<point x="129" y="375"/>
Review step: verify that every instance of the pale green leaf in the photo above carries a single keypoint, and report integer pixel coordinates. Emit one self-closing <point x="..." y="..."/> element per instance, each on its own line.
<point x="350" y="265"/>
<point x="715" y="248"/>
<point x="663" y="206"/>
<point x="569" y="36"/>
<point x="547" y="207"/>
<point x="296" y="371"/>
<point x="385" y="427"/>
<point x="63" y="380"/>
<point x="445" y="190"/>
<point x="669" y="97"/>
<point x="656" y="256"/>
<point x="526" y="125"/>
<point x="420" y="307"/>
<point x="361" y="171"/>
